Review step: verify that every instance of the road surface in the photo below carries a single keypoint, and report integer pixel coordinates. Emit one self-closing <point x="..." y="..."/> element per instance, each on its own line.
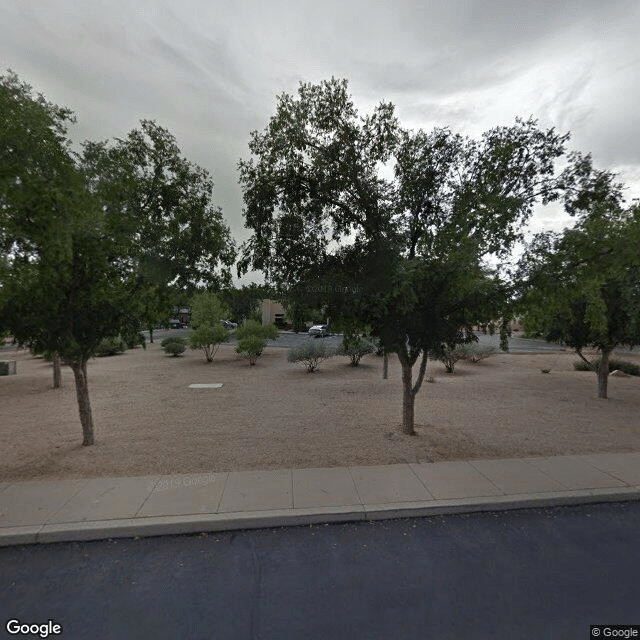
<point x="538" y="573"/>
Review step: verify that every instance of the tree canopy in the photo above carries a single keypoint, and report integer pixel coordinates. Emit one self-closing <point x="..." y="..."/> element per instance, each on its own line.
<point x="89" y="241"/>
<point x="391" y="226"/>
<point x="582" y="287"/>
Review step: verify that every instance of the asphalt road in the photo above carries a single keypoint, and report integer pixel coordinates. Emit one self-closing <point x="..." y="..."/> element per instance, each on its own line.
<point x="544" y="573"/>
<point x="289" y="339"/>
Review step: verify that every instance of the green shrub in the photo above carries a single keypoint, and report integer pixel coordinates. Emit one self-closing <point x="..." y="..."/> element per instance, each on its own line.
<point x="253" y="328"/>
<point x="135" y="339"/>
<point x="354" y="347"/>
<point x="476" y="352"/>
<point x="174" y="347"/>
<point x="251" y="347"/>
<point x="630" y="368"/>
<point x="208" y="339"/>
<point x="311" y="354"/>
<point x="252" y="339"/>
<point x="111" y="347"/>
<point x="449" y="356"/>
<point x="171" y="339"/>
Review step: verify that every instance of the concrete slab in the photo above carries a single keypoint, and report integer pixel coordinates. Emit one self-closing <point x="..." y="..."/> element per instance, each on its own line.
<point x="619" y="493"/>
<point x="447" y="480"/>
<point x="624" y="466"/>
<point x="482" y="503"/>
<point x="10" y="536"/>
<point x="574" y="472"/>
<point x="32" y="503"/>
<point x="323" y="488"/>
<point x="516" y="476"/>
<point x="185" y="494"/>
<point x="388" y="483"/>
<point x="106" y="499"/>
<point x="257" y="491"/>
<point x="216" y="385"/>
<point x="175" y="525"/>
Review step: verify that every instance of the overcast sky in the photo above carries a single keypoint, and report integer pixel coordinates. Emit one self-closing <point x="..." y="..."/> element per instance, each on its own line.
<point x="209" y="71"/>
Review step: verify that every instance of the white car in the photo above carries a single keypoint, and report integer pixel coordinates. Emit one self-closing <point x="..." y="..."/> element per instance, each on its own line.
<point x="319" y="330"/>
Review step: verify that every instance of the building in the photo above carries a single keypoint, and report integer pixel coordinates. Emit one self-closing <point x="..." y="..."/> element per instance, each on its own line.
<point x="272" y="312"/>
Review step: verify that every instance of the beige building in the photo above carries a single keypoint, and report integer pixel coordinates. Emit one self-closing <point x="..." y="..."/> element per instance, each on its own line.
<point x="272" y="312"/>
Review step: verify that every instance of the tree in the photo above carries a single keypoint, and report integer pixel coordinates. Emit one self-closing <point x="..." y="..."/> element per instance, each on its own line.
<point x="582" y="287"/>
<point x="82" y="237"/>
<point x="160" y="205"/>
<point x="70" y="297"/>
<point x="407" y="252"/>
<point x="206" y="312"/>
<point x="35" y="167"/>
<point x="244" y="302"/>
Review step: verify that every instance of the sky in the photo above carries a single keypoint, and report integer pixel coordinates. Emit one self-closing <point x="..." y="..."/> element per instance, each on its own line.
<point x="210" y="71"/>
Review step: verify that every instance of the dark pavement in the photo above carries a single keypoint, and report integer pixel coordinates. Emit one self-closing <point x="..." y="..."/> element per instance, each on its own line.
<point x="546" y="573"/>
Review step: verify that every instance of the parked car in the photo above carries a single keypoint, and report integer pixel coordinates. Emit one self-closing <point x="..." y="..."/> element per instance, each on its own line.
<point x="319" y="330"/>
<point x="176" y="324"/>
<point x="227" y="324"/>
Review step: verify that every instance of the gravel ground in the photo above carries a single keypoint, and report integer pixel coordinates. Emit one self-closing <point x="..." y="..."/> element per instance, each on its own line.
<point x="275" y="415"/>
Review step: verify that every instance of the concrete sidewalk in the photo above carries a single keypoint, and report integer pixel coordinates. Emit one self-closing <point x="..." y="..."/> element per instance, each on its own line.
<point x="56" y="511"/>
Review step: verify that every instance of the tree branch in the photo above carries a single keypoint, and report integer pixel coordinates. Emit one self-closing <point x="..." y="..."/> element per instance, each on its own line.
<point x="579" y="352"/>
<point x="423" y="368"/>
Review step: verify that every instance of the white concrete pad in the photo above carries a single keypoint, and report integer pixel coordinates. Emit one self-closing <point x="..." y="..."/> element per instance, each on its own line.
<point x="32" y="503"/>
<point x="216" y="385"/>
<point x="388" y="483"/>
<point x="574" y="472"/>
<point x="323" y="488"/>
<point x="257" y="491"/>
<point x="448" y="480"/>
<point x="516" y="476"/>
<point x="185" y="494"/>
<point x="624" y="466"/>
<point x="106" y="499"/>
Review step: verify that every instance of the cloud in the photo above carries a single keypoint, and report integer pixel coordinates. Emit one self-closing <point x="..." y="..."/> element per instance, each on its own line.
<point x="210" y="72"/>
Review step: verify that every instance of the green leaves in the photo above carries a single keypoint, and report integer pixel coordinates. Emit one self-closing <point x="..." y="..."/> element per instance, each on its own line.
<point x="581" y="286"/>
<point x="251" y="348"/>
<point x="313" y="179"/>
<point x="252" y="339"/>
<point x="257" y="329"/>
<point x="207" y="309"/>
<point x="159" y="209"/>
<point x="416" y="242"/>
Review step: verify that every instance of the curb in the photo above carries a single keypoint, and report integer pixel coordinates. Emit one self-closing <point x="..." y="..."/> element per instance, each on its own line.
<point x="199" y="523"/>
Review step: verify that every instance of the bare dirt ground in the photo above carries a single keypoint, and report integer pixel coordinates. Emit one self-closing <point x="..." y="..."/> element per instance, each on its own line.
<point x="275" y="415"/>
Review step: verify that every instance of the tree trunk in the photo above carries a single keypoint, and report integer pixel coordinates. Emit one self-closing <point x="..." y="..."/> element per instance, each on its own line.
<point x="385" y="365"/>
<point x="603" y="374"/>
<point x="408" y="403"/>
<point x="57" y="374"/>
<point x="151" y="334"/>
<point x="408" y="397"/>
<point x="410" y="390"/>
<point x="84" y="406"/>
